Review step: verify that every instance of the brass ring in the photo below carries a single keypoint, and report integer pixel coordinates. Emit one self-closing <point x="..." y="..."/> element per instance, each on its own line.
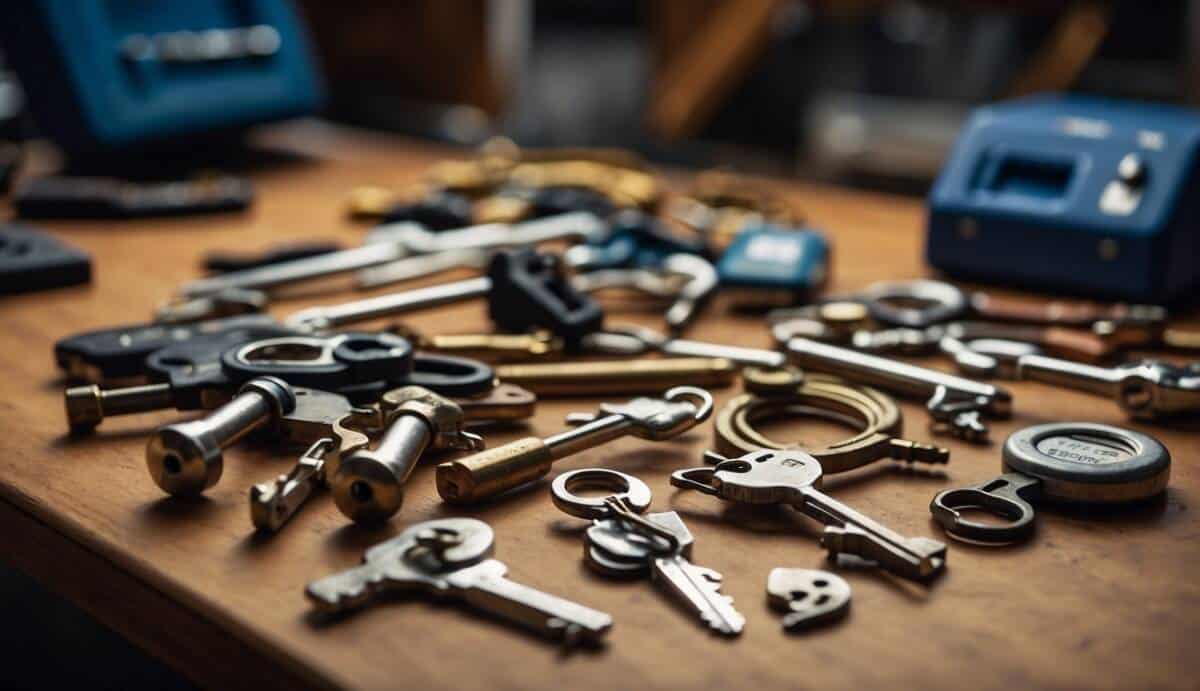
<point x="874" y="414"/>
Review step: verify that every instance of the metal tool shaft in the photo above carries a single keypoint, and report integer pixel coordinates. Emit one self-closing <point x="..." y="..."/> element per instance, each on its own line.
<point x="88" y="405"/>
<point x="395" y="303"/>
<point x="892" y="375"/>
<point x="1075" y="375"/>
<point x="298" y="270"/>
<point x="618" y="376"/>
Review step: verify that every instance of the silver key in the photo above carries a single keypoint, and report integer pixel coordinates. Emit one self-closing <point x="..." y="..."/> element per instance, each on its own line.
<point x="699" y="588"/>
<point x="421" y="266"/>
<point x="449" y="557"/>
<point x="793" y="477"/>
<point x="622" y="543"/>
<point x="328" y="317"/>
<point x="1144" y="389"/>
<point x="635" y="340"/>
<point x="808" y="596"/>
<point x="397" y="241"/>
<point x="955" y="403"/>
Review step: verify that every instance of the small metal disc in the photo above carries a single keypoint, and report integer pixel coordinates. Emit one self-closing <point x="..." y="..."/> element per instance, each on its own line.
<point x="1088" y="462"/>
<point x="622" y="545"/>
<point x="915" y="304"/>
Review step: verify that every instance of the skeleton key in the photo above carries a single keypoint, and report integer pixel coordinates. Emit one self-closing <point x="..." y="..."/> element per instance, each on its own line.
<point x="622" y="543"/>
<point x="449" y="557"/>
<point x="793" y="477"/>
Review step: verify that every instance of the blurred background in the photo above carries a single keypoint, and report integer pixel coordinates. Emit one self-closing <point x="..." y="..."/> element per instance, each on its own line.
<point x="859" y="92"/>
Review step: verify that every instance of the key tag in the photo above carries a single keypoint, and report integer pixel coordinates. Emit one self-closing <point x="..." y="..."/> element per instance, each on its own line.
<point x="1077" y="463"/>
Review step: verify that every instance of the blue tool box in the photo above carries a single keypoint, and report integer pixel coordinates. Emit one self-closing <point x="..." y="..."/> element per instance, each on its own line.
<point x="1074" y="194"/>
<point x="109" y="74"/>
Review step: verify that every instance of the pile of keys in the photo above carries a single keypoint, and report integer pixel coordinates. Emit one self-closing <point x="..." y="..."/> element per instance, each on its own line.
<point x="623" y="544"/>
<point x="359" y="409"/>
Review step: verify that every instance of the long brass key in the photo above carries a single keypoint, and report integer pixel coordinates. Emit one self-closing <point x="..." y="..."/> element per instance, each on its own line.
<point x="482" y="475"/>
<point x="616" y="376"/>
<point x="793" y="477"/>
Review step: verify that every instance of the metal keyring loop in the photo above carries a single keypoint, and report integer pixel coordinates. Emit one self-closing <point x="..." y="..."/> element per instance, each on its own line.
<point x="946" y="303"/>
<point x="874" y="415"/>
<point x="630" y="491"/>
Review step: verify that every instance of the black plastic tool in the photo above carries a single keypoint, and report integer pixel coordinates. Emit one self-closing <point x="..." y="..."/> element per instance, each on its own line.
<point x="218" y="262"/>
<point x="31" y="260"/>
<point x="97" y="197"/>
<point x="441" y="210"/>
<point x="530" y="291"/>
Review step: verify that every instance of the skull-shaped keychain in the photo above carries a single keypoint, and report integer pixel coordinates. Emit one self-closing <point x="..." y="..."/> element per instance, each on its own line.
<point x="809" y="597"/>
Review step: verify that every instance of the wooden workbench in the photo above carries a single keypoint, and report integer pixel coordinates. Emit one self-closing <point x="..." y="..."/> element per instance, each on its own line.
<point x="1108" y="600"/>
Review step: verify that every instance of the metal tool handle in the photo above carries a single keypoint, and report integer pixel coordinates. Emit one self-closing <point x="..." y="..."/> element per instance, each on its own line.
<point x="618" y="376"/>
<point x="1075" y="375"/>
<point x="394" y="303"/>
<point x="297" y="270"/>
<point x="892" y="375"/>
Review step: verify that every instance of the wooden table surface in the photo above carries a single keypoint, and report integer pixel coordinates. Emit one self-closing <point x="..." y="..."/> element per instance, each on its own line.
<point x="1093" y="601"/>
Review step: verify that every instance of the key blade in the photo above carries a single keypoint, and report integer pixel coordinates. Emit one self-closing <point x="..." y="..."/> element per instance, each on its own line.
<point x="356" y="587"/>
<point x="700" y="589"/>
<point x="918" y="559"/>
<point x="484" y="586"/>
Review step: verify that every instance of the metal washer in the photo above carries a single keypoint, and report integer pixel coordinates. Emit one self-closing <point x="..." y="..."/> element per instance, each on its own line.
<point x="1089" y="462"/>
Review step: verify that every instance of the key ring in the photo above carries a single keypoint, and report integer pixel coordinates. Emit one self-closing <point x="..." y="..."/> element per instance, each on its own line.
<point x="776" y="393"/>
<point x="631" y="492"/>
<point x="628" y="498"/>
<point x="936" y="302"/>
<point x="1072" y="462"/>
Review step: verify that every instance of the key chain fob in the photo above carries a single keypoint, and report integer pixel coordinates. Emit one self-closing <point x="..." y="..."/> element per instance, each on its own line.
<point x="1075" y="463"/>
<point x="120" y="352"/>
<point x="530" y="292"/>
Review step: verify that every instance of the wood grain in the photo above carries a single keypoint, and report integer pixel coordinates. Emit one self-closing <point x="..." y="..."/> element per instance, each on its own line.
<point x="1102" y="600"/>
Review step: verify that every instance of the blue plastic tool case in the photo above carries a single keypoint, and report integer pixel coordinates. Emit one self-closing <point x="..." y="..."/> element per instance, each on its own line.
<point x="1074" y="194"/>
<point x="89" y="95"/>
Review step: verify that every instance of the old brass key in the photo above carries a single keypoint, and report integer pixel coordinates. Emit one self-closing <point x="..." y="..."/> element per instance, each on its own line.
<point x="486" y="474"/>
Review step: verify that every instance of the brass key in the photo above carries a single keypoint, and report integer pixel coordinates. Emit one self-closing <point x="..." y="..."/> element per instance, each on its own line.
<point x="482" y="475"/>
<point x="793" y="477"/>
<point x="617" y="376"/>
<point x="489" y="347"/>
